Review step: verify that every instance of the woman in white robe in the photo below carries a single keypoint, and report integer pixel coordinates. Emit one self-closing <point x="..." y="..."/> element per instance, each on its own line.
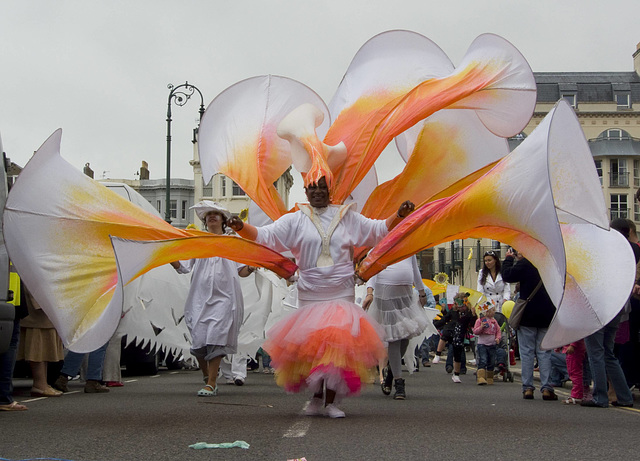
<point x="214" y="308"/>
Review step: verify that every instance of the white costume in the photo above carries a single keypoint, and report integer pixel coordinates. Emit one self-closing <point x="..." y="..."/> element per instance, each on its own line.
<point x="214" y="308"/>
<point x="329" y="338"/>
<point x="496" y="290"/>
<point x="395" y="306"/>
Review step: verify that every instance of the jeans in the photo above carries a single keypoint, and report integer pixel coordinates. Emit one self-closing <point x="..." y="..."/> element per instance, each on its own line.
<point x="486" y="357"/>
<point x="428" y="345"/>
<point x="559" y="372"/>
<point x="604" y="364"/>
<point x="7" y="364"/>
<point x="529" y="339"/>
<point x="73" y="360"/>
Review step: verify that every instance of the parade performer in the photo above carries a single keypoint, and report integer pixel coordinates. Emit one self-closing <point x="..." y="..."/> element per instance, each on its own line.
<point x="329" y="341"/>
<point x="214" y="308"/>
<point x="395" y="307"/>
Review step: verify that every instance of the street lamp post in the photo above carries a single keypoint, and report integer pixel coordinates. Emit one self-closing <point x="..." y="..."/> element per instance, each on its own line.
<point x="178" y="95"/>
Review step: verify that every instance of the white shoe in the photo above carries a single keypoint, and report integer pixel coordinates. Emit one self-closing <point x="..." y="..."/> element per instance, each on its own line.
<point x="456" y="379"/>
<point x="472" y="362"/>
<point x="333" y="412"/>
<point x="436" y="359"/>
<point x="314" y="407"/>
<point x="229" y="381"/>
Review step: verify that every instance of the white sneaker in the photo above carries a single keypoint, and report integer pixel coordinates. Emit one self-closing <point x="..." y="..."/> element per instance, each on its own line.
<point x="456" y="379"/>
<point x="436" y="359"/>
<point x="471" y="362"/>
<point x="333" y="412"/>
<point x="313" y="407"/>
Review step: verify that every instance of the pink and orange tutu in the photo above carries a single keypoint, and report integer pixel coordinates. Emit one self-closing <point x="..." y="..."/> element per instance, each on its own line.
<point x="332" y="341"/>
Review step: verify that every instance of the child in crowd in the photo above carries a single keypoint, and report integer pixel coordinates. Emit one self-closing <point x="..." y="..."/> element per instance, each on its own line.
<point x="488" y="332"/>
<point x="575" y="353"/>
<point x="454" y="325"/>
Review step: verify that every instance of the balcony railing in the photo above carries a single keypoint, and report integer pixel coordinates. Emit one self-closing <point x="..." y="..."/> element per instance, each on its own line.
<point x="619" y="179"/>
<point x="619" y="213"/>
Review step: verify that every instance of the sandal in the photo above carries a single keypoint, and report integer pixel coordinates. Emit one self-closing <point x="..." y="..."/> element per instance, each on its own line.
<point x="48" y="392"/>
<point x="205" y="379"/>
<point x="572" y="401"/>
<point x="208" y="391"/>
<point x="13" y="406"/>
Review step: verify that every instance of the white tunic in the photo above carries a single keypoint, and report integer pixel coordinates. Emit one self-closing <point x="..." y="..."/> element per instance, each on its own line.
<point x="297" y="233"/>
<point x="214" y="308"/>
<point x="498" y="291"/>
<point x="405" y="272"/>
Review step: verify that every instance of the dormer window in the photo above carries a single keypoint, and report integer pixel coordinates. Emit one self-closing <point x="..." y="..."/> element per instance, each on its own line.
<point x="570" y="98"/>
<point x="623" y="100"/>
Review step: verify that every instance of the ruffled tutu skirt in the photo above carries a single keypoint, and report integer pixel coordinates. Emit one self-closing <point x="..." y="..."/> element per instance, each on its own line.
<point x="332" y="341"/>
<point x="396" y="309"/>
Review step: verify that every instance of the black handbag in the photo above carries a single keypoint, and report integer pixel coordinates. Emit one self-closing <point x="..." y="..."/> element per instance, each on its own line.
<point x="518" y="308"/>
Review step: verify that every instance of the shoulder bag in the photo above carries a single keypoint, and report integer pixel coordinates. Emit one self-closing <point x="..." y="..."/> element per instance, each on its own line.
<point x="518" y="308"/>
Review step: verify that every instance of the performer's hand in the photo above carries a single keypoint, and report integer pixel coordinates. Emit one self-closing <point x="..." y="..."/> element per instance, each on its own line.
<point x="570" y="350"/>
<point x="175" y="264"/>
<point x="236" y="223"/>
<point x="406" y="209"/>
<point x="367" y="301"/>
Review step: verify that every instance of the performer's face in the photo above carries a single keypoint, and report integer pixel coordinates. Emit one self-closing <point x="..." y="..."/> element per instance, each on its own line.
<point x="318" y="194"/>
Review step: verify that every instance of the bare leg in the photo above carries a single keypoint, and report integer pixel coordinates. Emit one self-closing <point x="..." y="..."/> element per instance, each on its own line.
<point x="441" y="345"/>
<point x="456" y="367"/>
<point x="213" y="366"/>
<point x="204" y="367"/>
<point x="39" y="372"/>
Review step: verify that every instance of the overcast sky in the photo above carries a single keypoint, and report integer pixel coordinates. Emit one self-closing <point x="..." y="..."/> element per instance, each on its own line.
<point x="99" y="69"/>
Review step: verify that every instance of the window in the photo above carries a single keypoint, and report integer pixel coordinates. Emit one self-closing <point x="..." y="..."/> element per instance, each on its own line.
<point x="636" y="173"/>
<point x="619" y="174"/>
<point x="223" y="186"/>
<point x="184" y="209"/>
<point x="236" y="190"/>
<point x="173" y="208"/>
<point x="614" y="134"/>
<point x="159" y="206"/>
<point x="636" y="212"/>
<point x="619" y="206"/>
<point x="623" y="100"/>
<point x="599" y="169"/>
<point x="570" y="98"/>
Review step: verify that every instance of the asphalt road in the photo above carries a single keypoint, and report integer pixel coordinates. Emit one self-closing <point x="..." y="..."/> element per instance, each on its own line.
<point x="158" y="417"/>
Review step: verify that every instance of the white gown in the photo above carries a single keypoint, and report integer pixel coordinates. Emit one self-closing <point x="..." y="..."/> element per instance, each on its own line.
<point x="214" y="308"/>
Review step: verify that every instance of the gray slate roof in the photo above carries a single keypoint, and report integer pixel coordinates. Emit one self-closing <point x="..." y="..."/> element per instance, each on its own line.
<point x="588" y="86"/>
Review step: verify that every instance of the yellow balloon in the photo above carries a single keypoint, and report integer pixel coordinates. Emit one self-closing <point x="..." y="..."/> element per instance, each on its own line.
<point x="507" y="307"/>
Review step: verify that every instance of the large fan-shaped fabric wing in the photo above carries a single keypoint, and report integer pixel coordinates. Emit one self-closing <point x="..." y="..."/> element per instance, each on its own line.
<point x="57" y="224"/>
<point x="445" y="148"/>
<point x="493" y="79"/>
<point x="534" y="199"/>
<point x="237" y="135"/>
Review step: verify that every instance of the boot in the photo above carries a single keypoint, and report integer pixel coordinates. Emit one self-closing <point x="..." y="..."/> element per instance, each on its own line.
<point x="399" y="394"/>
<point x="387" y="381"/>
<point x="481" y="373"/>
<point x="490" y="377"/>
<point x="94" y="387"/>
<point x="61" y="383"/>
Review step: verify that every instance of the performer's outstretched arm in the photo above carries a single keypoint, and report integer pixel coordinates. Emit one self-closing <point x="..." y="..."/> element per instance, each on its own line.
<point x="244" y="230"/>
<point x="405" y="210"/>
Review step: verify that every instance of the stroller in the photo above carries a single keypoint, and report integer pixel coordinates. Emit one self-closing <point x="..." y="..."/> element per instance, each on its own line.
<point x="506" y="343"/>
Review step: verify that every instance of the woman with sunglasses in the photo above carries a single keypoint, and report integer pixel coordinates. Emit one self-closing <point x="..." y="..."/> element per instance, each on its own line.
<point x="490" y="281"/>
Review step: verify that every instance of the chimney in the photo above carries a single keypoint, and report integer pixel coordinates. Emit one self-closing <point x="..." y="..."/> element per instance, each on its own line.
<point x="636" y="59"/>
<point x="144" y="170"/>
<point x="87" y="170"/>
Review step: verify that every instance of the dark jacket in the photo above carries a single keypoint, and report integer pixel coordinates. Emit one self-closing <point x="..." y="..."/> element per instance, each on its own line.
<point x="540" y="310"/>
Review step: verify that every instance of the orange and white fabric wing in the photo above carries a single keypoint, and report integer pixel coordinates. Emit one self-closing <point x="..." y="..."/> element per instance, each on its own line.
<point x="237" y="135"/>
<point x="493" y="79"/>
<point x="544" y="199"/>
<point x="57" y="224"/>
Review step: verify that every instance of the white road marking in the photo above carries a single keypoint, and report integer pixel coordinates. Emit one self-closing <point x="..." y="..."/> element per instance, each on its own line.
<point x="298" y="429"/>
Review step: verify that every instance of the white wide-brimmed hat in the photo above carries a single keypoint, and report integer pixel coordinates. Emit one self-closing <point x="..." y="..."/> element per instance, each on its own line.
<point x="205" y="206"/>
